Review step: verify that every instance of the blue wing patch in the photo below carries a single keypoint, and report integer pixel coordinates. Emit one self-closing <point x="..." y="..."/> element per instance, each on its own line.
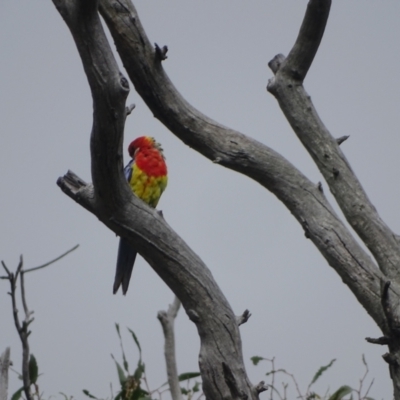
<point x="128" y="171"/>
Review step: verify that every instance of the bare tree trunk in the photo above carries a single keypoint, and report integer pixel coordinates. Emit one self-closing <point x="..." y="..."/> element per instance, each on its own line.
<point x="375" y="283"/>
<point x="221" y="361"/>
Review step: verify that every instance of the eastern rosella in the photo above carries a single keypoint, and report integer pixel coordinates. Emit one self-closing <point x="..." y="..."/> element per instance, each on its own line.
<point x="146" y="174"/>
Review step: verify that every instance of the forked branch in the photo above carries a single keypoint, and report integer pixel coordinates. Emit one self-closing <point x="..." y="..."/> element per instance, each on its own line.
<point x="300" y="112"/>
<point x="21" y="326"/>
<point x="243" y="154"/>
<point x="113" y="203"/>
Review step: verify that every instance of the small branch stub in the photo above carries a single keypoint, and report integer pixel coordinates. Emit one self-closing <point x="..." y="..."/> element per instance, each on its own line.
<point x="242" y="319"/>
<point x="129" y="109"/>
<point x="161" y="53"/>
<point x="390" y="359"/>
<point x="261" y="387"/>
<point x="342" y="139"/>
<point x="276" y="63"/>
<point x="383" y="340"/>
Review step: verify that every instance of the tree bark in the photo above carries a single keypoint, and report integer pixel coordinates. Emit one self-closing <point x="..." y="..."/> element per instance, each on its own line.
<point x="167" y="319"/>
<point x="243" y="154"/>
<point x="304" y="199"/>
<point x="375" y="283"/>
<point x="109" y="198"/>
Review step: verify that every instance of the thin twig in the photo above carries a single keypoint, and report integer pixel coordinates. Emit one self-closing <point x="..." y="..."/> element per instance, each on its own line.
<point x="23" y="298"/>
<point x="7" y="271"/>
<point x="273" y="375"/>
<point x="52" y="261"/>
<point x="22" y="328"/>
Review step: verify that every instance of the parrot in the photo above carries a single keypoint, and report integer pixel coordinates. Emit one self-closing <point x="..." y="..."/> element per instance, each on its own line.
<point x="147" y="177"/>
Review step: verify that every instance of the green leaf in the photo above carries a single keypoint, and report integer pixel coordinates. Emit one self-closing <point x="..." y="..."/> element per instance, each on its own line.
<point x="118" y="331"/>
<point x="139" y="394"/>
<point x="136" y="341"/>
<point x="341" y="392"/>
<point x="33" y="369"/>
<point x="188" y="375"/>
<point x="17" y="394"/>
<point x="321" y="371"/>
<point x="184" y="391"/>
<point x="139" y="371"/>
<point x="125" y="362"/>
<point x="121" y="373"/>
<point x="196" y="387"/>
<point x="256" y="359"/>
<point x="87" y="393"/>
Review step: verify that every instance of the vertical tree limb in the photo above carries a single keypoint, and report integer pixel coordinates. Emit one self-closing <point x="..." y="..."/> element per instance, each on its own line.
<point x="167" y="319"/>
<point x="22" y="327"/>
<point x="243" y="154"/>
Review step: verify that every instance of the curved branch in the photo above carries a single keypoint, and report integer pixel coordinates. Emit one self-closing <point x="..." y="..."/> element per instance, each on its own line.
<point x="245" y="155"/>
<point x="306" y="46"/>
<point x="300" y="112"/>
<point x="112" y="202"/>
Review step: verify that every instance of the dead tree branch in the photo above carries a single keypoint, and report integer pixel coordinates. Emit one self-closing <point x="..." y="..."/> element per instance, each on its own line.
<point x="110" y="200"/>
<point x="242" y="319"/>
<point x="243" y="154"/>
<point x="300" y="112"/>
<point x="113" y="203"/>
<point x="167" y="319"/>
<point x="52" y="261"/>
<point x="22" y="327"/>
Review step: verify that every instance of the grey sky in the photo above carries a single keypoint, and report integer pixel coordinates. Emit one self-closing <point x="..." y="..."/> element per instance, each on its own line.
<point x="218" y="54"/>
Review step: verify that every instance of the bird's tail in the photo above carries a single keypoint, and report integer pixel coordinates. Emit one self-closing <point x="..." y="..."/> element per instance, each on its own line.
<point x="126" y="259"/>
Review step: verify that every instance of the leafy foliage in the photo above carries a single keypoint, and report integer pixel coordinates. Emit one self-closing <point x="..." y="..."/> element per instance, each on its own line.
<point x="33" y="377"/>
<point x="33" y="369"/>
<point x="344" y="392"/>
<point x="321" y="371"/>
<point x="132" y="383"/>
